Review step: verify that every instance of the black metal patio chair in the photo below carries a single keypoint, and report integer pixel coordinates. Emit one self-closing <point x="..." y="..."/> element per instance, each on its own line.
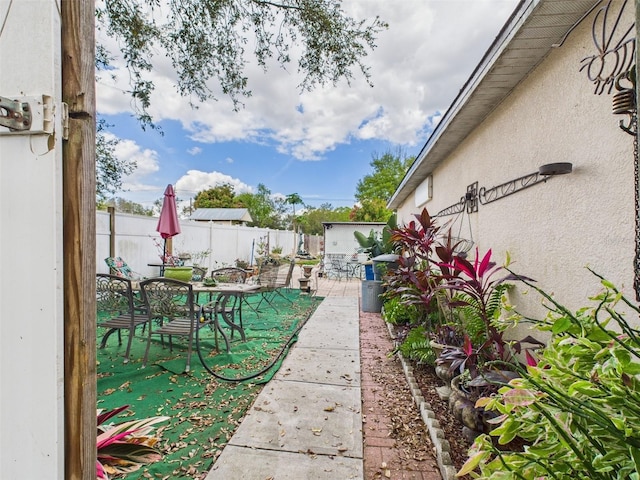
<point x="172" y="311"/>
<point x="118" y="308"/>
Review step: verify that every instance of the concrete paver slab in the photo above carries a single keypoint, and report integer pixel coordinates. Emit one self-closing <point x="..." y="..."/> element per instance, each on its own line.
<point x="264" y="464"/>
<point x="322" y="365"/>
<point x="334" y="329"/>
<point x="304" y="417"/>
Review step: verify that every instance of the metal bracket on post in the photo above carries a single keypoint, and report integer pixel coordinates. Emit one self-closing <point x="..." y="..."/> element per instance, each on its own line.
<point x="14" y="114"/>
<point x="27" y="115"/>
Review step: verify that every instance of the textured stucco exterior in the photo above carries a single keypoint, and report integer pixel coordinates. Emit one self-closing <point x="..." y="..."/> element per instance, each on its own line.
<point x="339" y="237"/>
<point x="552" y="230"/>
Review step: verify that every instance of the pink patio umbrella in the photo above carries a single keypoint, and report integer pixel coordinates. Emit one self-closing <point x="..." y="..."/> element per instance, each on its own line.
<point x="168" y="225"/>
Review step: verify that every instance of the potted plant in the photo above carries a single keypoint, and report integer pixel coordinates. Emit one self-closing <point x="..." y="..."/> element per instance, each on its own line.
<point x="380" y="248"/>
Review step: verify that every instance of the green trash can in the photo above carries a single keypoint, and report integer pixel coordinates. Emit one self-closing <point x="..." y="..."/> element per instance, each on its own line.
<point x="371" y="291"/>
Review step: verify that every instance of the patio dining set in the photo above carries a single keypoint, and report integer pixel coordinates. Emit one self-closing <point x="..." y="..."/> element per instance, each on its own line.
<point x="342" y="266"/>
<point x="169" y="307"/>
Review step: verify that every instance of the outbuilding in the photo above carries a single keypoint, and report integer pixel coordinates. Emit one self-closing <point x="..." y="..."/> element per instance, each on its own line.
<point x="340" y="240"/>
<point x="224" y="216"/>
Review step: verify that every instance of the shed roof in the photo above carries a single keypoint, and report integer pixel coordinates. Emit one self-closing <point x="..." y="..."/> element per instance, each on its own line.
<point x="534" y="28"/>
<point x="221" y="215"/>
<point x="354" y="223"/>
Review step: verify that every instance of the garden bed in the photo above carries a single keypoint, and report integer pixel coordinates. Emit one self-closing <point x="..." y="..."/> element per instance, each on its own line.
<point x="427" y="382"/>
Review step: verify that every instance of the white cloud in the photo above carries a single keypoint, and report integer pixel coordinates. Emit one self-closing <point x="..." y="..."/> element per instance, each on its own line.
<point x="146" y="160"/>
<point x="420" y="64"/>
<point x="195" y="181"/>
<point x="194" y="151"/>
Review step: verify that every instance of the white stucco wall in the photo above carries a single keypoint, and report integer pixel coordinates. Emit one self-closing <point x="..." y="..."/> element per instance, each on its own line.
<point x="552" y="230"/>
<point x="31" y="297"/>
<point x="339" y="237"/>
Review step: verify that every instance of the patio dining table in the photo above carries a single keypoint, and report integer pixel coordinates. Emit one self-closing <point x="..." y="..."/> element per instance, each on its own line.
<point x="238" y="288"/>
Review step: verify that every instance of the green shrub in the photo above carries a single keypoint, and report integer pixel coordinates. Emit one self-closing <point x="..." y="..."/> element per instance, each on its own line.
<point x="578" y="408"/>
<point x="398" y="313"/>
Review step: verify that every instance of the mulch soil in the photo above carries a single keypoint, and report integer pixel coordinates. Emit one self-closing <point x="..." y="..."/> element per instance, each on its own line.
<point x="427" y="382"/>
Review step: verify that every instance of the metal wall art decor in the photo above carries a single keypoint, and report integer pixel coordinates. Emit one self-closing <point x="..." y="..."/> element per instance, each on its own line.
<point x="624" y="102"/>
<point x="613" y="66"/>
<point x="615" y="47"/>
<point x="488" y="195"/>
<point x="471" y="197"/>
<point x="453" y="209"/>
<point x="474" y="196"/>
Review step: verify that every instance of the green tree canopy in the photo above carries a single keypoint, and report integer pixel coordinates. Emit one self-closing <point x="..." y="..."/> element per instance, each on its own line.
<point x="374" y="191"/>
<point x="374" y="210"/>
<point x="220" y="196"/>
<point x="109" y="168"/>
<point x="206" y="40"/>
<point x="293" y="199"/>
<point x="263" y="209"/>
<point x="388" y="171"/>
<point x="311" y="221"/>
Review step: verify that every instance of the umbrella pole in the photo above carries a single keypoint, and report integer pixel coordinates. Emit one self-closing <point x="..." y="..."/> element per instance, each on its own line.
<point x="164" y="257"/>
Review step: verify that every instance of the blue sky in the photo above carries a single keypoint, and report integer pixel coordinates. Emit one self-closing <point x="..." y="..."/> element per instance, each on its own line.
<point x="317" y="144"/>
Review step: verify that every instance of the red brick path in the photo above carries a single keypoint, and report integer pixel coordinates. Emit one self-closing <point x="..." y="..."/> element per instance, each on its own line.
<point x="384" y="457"/>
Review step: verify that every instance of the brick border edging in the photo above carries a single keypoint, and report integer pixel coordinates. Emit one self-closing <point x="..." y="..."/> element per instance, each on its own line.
<point x="441" y="444"/>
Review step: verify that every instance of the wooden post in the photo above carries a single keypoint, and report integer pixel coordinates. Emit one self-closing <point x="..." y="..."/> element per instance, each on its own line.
<point x="79" y="217"/>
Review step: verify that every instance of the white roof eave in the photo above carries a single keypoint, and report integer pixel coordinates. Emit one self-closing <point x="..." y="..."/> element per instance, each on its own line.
<point x="534" y="28"/>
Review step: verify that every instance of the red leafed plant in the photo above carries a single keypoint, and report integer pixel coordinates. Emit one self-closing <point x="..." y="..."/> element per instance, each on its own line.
<point x="125" y="447"/>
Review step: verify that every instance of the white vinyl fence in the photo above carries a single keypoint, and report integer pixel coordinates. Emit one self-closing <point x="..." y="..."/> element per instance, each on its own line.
<point x="134" y="238"/>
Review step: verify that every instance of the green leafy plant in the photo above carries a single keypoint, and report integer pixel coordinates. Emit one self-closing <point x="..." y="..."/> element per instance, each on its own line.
<point x="241" y="263"/>
<point x="376" y="244"/>
<point x="479" y="294"/>
<point x="415" y="280"/>
<point x="397" y="312"/>
<point x="576" y="408"/>
<point x="417" y="346"/>
<point x="125" y="447"/>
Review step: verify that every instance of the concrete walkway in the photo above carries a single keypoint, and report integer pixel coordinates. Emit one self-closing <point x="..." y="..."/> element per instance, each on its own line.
<point x="307" y="423"/>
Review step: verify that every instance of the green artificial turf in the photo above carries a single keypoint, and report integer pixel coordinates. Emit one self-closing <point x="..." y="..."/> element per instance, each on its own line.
<point x="204" y="411"/>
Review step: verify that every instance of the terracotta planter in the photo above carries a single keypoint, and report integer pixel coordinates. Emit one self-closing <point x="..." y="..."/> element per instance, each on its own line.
<point x="306" y="269"/>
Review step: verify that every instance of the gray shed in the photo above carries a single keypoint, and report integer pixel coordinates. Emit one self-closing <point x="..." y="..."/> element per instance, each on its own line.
<point x="231" y="216"/>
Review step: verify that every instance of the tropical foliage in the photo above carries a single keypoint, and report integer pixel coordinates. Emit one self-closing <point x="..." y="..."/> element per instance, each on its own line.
<point x="576" y="408"/>
<point x="375" y="243"/>
<point x="123" y="448"/>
